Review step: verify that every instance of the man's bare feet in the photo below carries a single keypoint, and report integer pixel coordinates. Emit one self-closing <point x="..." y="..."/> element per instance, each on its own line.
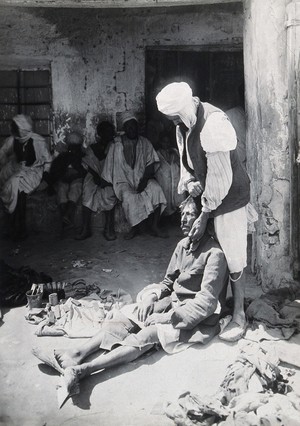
<point x="71" y="379"/>
<point x="67" y="358"/>
<point x="234" y="331"/>
<point x="48" y="358"/>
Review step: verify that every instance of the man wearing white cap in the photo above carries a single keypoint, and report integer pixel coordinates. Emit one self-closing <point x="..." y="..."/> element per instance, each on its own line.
<point x="130" y="166"/>
<point x="210" y="168"/>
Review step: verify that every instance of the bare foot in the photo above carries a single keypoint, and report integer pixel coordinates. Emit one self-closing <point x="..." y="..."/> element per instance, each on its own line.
<point x="109" y="235"/>
<point x="233" y="331"/>
<point x="48" y="358"/>
<point x="71" y="379"/>
<point x="67" y="358"/>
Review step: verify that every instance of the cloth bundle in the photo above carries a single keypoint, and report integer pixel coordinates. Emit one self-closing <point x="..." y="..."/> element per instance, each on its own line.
<point x="77" y="318"/>
<point x="253" y="392"/>
<point x="270" y="317"/>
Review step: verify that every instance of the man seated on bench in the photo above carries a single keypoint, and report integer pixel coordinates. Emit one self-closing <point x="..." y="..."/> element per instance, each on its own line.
<point x="97" y="195"/>
<point x="24" y="160"/>
<point x="130" y="166"/>
<point x="176" y="313"/>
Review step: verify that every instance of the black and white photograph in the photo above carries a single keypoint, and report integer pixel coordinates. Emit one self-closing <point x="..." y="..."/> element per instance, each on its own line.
<point x="150" y="212"/>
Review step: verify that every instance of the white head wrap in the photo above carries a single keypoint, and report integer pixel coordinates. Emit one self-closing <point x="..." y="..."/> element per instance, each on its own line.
<point x="126" y="116"/>
<point x="24" y="124"/>
<point x="178" y="99"/>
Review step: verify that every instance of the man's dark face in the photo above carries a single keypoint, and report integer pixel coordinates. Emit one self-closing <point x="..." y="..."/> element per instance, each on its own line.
<point x="75" y="149"/>
<point x="175" y="119"/>
<point x="14" y="130"/>
<point x="107" y="135"/>
<point x="131" y="129"/>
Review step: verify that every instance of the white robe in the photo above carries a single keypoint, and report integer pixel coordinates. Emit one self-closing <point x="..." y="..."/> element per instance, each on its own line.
<point x="125" y="179"/>
<point x="94" y="197"/>
<point x="17" y="177"/>
<point x="168" y="175"/>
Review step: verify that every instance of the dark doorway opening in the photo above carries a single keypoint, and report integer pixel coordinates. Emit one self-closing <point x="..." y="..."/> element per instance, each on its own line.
<point x="214" y="75"/>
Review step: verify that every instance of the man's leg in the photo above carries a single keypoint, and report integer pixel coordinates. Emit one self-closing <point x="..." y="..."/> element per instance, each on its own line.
<point x="109" y="226"/>
<point x="236" y="328"/>
<point x="238" y="291"/>
<point x="154" y="228"/>
<point x="120" y="355"/>
<point x="74" y="193"/>
<point x="86" y="230"/>
<point x="18" y="218"/>
<point x="76" y="356"/>
<point x="23" y="201"/>
<point x="231" y="231"/>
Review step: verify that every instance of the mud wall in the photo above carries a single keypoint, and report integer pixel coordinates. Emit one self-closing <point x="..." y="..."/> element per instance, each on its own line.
<point x="97" y="57"/>
<point x="265" y="60"/>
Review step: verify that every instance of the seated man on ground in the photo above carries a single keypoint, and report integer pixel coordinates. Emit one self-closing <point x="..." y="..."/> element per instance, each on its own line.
<point x="24" y="160"/>
<point x="168" y="174"/>
<point x="98" y="195"/>
<point x="176" y="313"/>
<point x="130" y="166"/>
<point x="66" y="176"/>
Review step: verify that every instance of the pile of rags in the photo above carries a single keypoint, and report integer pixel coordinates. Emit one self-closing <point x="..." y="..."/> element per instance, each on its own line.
<point x="81" y="317"/>
<point x="254" y="392"/>
<point x="272" y="316"/>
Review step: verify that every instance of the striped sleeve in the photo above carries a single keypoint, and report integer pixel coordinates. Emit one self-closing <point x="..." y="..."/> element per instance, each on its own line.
<point x="218" y="180"/>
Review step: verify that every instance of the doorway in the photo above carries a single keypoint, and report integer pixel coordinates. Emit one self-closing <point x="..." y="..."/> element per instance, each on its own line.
<point x="214" y="75"/>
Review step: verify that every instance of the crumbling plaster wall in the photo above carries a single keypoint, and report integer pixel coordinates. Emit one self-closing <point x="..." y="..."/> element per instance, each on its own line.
<point x="97" y="57"/>
<point x="265" y="45"/>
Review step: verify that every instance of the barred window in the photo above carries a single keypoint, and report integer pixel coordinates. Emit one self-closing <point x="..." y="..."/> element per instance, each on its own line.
<point x="26" y="92"/>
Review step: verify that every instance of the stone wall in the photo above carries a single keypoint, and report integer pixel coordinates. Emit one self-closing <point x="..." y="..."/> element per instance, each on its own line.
<point x="265" y="60"/>
<point x="97" y="57"/>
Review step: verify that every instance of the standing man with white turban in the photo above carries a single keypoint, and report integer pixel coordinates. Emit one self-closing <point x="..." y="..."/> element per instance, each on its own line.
<point x="210" y="167"/>
<point x="130" y="166"/>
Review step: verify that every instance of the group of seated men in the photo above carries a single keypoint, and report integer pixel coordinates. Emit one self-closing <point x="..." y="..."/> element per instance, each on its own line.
<point x="122" y="168"/>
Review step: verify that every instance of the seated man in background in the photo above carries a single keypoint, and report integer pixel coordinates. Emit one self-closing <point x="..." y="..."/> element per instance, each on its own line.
<point x="130" y="167"/>
<point x="95" y="195"/>
<point x="66" y="175"/>
<point x="168" y="174"/>
<point x="176" y="313"/>
<point x="24" y="160"/>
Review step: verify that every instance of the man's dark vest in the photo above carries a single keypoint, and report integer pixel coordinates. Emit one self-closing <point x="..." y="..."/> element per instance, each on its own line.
<point x="239" y="192"/>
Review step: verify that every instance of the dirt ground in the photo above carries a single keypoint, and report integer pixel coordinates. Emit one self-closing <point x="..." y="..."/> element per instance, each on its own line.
<point x="129" y="395"/>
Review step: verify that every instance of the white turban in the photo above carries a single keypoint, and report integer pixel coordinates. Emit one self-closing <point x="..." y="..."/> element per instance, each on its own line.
<point x="24" y="124"/>
<point x="126" y="116"/>
<point x="177" y="99"/>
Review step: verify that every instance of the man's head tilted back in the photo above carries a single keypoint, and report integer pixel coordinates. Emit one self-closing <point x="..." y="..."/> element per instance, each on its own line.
<point x="189" y="212"/>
